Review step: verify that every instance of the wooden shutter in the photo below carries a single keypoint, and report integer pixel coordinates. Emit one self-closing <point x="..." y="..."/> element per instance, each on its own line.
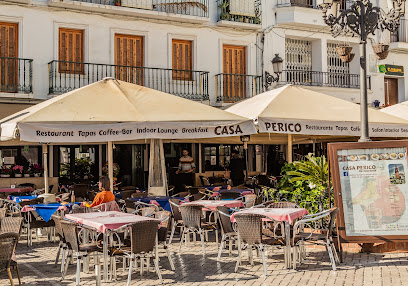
<point x="234" y="69"/>
<point x="71" y="51"/>
<point x="129" y="58"/>
<point x="182" y="59"/>
<point x="8" y="57"/>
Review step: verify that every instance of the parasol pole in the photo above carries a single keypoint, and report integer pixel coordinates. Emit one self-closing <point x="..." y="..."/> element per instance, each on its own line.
<point x="110" y="164"/>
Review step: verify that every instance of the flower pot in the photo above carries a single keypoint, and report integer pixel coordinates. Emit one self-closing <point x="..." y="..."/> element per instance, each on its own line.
<point x="4" y="175"/>
<point x="347" y="58"/>
<point x="343" y="50"/>
<point x="26" y="175"/>
<point x="37" y="175"/>
<point x="381" y="51"/>
<point x="18" y="175"/>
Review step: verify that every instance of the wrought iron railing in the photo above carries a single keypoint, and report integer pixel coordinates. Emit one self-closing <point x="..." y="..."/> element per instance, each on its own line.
<point x="309" y="3"/>
<point x="401" y="34"/>
<point x="240" y="11"/>
<point x="184" y="83"/>
<point x="235" y="87"/>
<point x="192" y="8"/>
<point x="327" y="79"/>
<point x="16" y="75"/>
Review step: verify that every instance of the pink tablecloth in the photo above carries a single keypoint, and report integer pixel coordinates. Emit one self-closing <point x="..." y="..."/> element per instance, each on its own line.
<point x="103" y="221"/>
<point x="212" y="205"/>
<point x="278" y="214"/>
<point x="16" y="190"/>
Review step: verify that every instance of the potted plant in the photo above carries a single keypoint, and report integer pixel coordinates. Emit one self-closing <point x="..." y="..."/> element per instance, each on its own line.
<point x="224" y="10"/>
<point x="381" y="50"/>
<point x="18" y="171"/>
<point x="118" y="2"/>
<point x="37" y="170"/>
<point x="5" y="172"/>
<point x="26" y="172"/>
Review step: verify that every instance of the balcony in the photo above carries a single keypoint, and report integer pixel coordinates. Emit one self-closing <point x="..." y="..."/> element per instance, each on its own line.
<point x="399" y="39"/>
<point x="302" y="13"/>
<point x="323" y="79"/>
<point x="66" y="76"/>
<point x="16" y="75"/>
<point x="243" y="14"/>
<point x="195" y="11"/>
<point x="235" y="87"/>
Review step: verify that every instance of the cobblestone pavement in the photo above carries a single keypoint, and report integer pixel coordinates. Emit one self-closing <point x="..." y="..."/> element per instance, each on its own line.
<point x="192" y="268"/>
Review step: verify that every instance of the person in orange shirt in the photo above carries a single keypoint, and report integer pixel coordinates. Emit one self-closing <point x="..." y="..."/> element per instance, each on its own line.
<point x="105" y="195"/>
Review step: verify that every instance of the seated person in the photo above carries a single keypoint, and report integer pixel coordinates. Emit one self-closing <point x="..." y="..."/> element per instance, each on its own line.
<point x="105" y="195"/>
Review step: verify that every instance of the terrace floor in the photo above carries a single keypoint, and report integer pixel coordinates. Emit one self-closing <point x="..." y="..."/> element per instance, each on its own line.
<point x="192" y="268"/>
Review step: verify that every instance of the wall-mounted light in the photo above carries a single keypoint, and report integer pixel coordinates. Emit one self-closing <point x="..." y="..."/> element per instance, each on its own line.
<point x="277" y="64"/>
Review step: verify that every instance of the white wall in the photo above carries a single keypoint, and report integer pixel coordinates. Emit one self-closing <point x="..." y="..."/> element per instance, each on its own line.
<point x="39" y="39"/>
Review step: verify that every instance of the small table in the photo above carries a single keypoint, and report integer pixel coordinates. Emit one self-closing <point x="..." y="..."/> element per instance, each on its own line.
<point x="212" y="205"/>
<point x="162" y="201"/>
<point x="47" y="210"/>
<point x="18" y="199"/>
<point x="16" y="190"/>
<point x="242" y="192"/>
<point x="105" y="222"/>
<point x="286" y="215"/>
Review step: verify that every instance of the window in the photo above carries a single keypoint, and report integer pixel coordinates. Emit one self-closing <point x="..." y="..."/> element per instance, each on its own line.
<point x="298" y="61"/>
<point x="234" y="69"/>
<point x="8" y="51"/>
<point x="71" y="51"/>
<point x="182" y="54"/>
<point x="129" y="58"/>
<point x="339" y="71"/>
<point x="217" y="157"/>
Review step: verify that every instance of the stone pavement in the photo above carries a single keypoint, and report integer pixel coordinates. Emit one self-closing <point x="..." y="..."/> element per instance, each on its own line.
<point x="192" y="268"/>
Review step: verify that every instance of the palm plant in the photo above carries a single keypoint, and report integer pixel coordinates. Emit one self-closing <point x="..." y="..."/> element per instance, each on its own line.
<point x="314" y="170"/>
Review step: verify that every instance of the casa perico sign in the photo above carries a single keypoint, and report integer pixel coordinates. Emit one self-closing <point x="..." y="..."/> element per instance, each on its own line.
<point x="287" y="126"/>
<point x="391" y="70"/>
<point x="60" y="133"/>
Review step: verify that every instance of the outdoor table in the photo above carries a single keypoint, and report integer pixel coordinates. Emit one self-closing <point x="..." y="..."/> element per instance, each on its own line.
<point x="16" y="190"/>
<point x="106" y="223"/>
<point x="286" y="215"/>
<point x="242" y="192"/>
<point x="211" y="188"/>
<point x="47" y="210"/>
<point x="18" y="199"/>
<point x="162" y="201"/>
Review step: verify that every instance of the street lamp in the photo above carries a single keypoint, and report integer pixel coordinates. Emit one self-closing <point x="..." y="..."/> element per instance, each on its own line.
<point x="245" y="139"/>
<point x="277" y="64"/>
<point x="361" y="19"/>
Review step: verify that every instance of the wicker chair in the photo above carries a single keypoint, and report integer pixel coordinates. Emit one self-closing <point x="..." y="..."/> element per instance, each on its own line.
<point x="191" y="216"/>
<point x="11" y="224"/>
<point x="143" y="236"/>
<point x="198" y="196"/>
<point x="250" y="200"/>
<point x="3" y="212"/>
<point x="35" y="201"/>
<point x="182" y="195"/>
<point x="62" y="243"/>
<point x="229" y="195"/>
<point x="127" y="194"/>
<point x="139" y="195"/>
<point x="228" y="233"/>
<point x="164" y="217"/>
<point x="315" y="236"/>
<point x="249" y="228"/>
<point x="70" y="232"/>
<point x="81" y="191"/>
<point x="176" y="220"/>
<point x="280" y="205"/>
<point x="8" y="243"/>
<point x="147" y="211"/>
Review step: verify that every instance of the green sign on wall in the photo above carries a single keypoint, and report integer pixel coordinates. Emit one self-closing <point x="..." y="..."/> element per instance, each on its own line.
<point x="391" y="70"/>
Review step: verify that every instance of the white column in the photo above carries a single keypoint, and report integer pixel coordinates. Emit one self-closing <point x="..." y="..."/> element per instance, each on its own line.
<point x="110" y="163"/>
<point x="51" y="159"/>
<point x="45" y="156"/>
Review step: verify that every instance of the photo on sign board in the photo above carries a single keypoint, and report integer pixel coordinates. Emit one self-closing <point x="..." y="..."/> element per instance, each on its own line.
<point x="397" y="174"/>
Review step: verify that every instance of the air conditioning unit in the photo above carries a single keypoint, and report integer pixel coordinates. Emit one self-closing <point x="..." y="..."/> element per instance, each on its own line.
<point x="139" y="4"/>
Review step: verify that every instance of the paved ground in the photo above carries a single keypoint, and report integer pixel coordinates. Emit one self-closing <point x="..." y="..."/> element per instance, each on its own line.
<point x="192" y="268"/>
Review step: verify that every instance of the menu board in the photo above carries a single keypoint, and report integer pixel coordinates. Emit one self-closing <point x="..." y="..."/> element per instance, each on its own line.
<point x="374" y="190"/>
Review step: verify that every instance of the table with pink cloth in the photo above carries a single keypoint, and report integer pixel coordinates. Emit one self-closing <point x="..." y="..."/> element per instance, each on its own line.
<point x="212" y="205"/>
<point x="16" y="190"/>
<point x="104" y="222"/>
<point x="286" y="215"/>
<point x="242" y="192"/>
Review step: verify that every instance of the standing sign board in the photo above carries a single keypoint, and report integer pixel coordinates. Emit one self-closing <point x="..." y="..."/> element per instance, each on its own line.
<point x="371" y="190"/>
